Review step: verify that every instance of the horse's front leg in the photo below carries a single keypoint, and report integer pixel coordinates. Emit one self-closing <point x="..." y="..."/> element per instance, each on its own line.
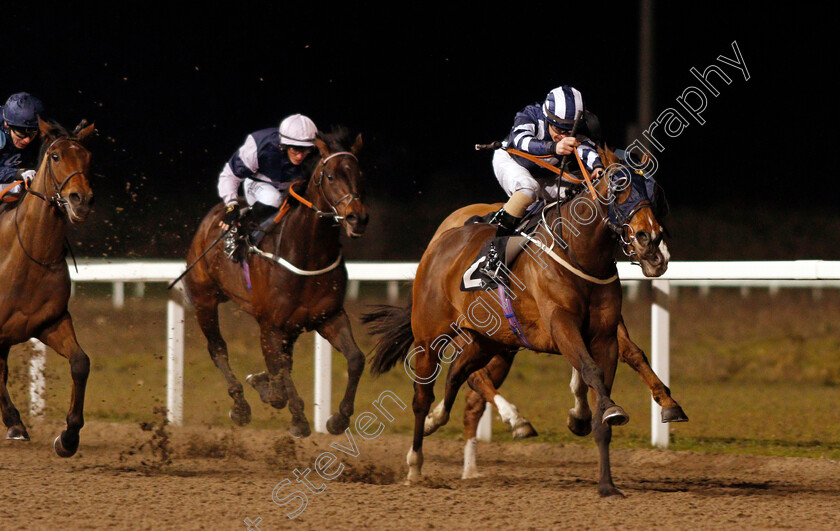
<point x="337" y="331"/>
<point x="61" y="337"/>
<point x="11" y="416"/>
<point x="567" y="338"/>
<point x="633" y="356"/>
<point x="605" y="354"/>
<point x="277" y="347"/>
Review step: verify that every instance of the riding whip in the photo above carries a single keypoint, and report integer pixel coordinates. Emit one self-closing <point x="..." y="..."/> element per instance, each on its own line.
<point x="187" y="270"/>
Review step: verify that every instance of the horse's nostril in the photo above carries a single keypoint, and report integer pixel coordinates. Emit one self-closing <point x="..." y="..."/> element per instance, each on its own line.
<point x="352" y="218"/>
<point x="75" y="198"/>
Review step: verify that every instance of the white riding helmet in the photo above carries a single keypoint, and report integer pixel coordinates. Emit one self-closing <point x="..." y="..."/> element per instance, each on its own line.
<point x="297" y="130"/>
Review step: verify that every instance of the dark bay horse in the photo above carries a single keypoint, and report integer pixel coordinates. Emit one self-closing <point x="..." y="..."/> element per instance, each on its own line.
<point x="569" y="303"/>
<point x="36" y="281"/>
<point x="298" y="279"/>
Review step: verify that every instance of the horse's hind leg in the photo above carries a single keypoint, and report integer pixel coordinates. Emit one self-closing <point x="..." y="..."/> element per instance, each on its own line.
<point x="11" y="416"/>
<point x="207" y="315"/>
<point x="472" y="357"/>
<point x="633" y="356"/>
<point x="426" y="362"/>
<point x="580" y="417"/>
<point x="278" y="346"/>
<point x="337" y="331"/>
<point x="488" y="380"/>
<point x="62" y="338"/>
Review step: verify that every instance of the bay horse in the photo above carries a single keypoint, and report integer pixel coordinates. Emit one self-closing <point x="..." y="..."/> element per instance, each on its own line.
<point x="36" y="281"/>
<point x="297" y="283"/>
<point x="569" y="304"/>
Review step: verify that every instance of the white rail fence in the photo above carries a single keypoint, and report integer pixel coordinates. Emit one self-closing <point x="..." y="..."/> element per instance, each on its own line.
<point x="814" y="274"/>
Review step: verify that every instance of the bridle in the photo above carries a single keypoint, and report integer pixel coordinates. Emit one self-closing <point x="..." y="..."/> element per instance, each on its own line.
<point x="319" y="180"/>
<point x="622" y="228"/>
<point x="57" y="200"/>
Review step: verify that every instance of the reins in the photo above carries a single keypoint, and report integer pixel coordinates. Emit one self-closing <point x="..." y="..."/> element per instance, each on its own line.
<point x="323" y="214"/>
<point x="57" y="201"/>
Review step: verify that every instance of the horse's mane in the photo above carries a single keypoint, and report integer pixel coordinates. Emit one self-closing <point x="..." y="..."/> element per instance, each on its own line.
<point x="337" y="139"/>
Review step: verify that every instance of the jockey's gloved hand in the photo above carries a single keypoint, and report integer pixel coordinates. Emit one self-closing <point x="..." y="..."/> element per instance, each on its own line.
<point x="26" y="175"/>
<point x="231" y="216"/>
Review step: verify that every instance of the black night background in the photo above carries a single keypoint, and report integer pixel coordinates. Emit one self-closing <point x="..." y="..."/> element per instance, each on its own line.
<point x="174" y="90"/>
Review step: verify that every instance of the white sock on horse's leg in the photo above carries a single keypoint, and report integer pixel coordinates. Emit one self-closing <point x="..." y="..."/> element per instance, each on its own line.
<point x="508" y="412"/>
<point x="470" y="467"/>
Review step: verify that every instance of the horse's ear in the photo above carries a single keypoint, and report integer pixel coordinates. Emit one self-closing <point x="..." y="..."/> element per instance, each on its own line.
<point x="48" y="132"/>
<point x="85" y="133"/>
<point x="357" y="145"/>
<point x="323" y="149"/>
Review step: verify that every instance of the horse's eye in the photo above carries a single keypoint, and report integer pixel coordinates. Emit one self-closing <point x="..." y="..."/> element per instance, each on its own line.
<point x="330" y="176"/>
<point x="54" y="156"/>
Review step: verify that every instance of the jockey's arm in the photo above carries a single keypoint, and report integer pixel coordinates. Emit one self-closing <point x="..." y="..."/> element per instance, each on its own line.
<point x="242" y="165"/>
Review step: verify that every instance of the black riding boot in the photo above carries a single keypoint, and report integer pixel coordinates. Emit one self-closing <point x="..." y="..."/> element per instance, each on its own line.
<point x="262" y="215"/>
<point x="506" y="222"/>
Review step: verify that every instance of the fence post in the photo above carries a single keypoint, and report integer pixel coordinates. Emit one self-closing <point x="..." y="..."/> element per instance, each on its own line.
<point x="323" y="383"/>
<point x="660" y="330"/>
<point x="175" y="362"/>
<point x="37" y="380"/>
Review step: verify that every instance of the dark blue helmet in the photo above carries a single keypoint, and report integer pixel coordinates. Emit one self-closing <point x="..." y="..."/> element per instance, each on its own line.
<point x="22" y="110"/>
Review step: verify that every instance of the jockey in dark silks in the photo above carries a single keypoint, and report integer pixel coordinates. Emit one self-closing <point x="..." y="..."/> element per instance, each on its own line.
<point x="19" y="141"/>
<point x="543" y="131"/>
<point x="268" y="162"/>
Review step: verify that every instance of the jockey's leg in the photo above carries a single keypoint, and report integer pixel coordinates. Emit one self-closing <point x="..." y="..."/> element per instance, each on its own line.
<point x="520" y="186"/>
<point x="265" y="199"/>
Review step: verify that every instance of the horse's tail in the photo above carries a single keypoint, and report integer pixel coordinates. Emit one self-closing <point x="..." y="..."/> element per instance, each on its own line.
<point x="393" y="324"/>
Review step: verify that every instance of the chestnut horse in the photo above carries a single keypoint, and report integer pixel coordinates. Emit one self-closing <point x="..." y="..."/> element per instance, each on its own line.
<point x="36" y="282"/>
<point x="298" y="279"/>
<point x="569" y="304"/>
<point x="491" y="377"/>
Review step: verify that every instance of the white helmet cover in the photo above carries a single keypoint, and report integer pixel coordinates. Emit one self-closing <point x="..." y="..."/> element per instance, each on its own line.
<point x="297" y="130"/>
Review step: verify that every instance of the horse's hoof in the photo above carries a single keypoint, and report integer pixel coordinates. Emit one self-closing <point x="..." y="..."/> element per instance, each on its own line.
<point x="610" y="490"/>
<point x="17" y="433"/>
<point x="337" y="423"/>
<point x="523" y="430"/>
<point x="471" y="473"/>
<point x="299" y="431"/>
<point x="240" y="413"/>
<point x="65" y="448"/>
<point x="674" y="414"/>
<point x="615" y="416"/>
<point x="257" y="379"/>
<point x="580" y="427"/>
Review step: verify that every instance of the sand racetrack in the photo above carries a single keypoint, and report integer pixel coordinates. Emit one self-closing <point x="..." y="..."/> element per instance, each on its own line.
<point x="217" y="477"/>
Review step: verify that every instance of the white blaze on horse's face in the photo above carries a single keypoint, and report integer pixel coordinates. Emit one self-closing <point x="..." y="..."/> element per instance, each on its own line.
<point x="646" y="240"/>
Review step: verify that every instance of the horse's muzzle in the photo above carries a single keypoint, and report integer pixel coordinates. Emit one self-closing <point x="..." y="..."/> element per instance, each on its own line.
<point x="78" y="206"/>
<point x="355" y="224"/>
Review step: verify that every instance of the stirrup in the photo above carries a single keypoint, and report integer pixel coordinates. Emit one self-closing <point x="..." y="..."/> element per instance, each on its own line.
<point x="492" y="265"/>
<point x="232" y="245"/>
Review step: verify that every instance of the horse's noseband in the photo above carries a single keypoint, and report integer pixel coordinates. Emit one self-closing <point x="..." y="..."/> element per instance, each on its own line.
<point x="349" y="197"/>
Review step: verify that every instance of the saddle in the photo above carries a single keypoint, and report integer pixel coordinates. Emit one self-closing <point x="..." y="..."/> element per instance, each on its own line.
<point x="500" y="253"/>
